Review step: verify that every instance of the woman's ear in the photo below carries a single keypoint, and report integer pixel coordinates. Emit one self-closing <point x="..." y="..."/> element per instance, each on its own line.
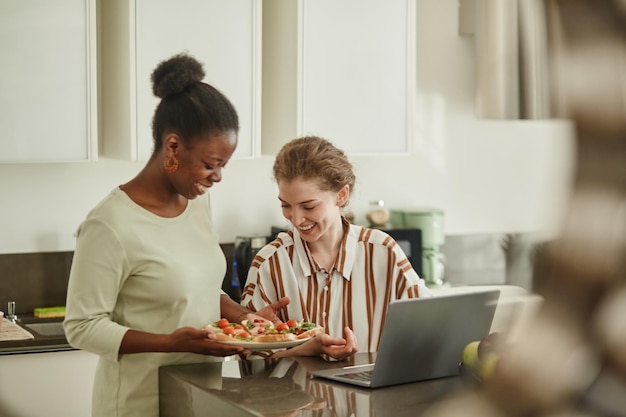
<point x="172" y="144"/>
<point x="343" y="195"/>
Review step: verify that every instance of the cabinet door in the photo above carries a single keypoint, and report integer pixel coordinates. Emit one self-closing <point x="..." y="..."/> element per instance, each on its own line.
<point x="356" y="70"/>
<point x="222" y="34"/>
<point x="354" y="76"/>
<point x="50" y="384"/>
<point x="47" y="81"/>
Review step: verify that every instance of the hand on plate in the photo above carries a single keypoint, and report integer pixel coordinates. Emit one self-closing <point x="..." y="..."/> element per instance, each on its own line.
<point x="270" y="312"/>
<point x="322" y="344"/>
<point x="189" y="339"/>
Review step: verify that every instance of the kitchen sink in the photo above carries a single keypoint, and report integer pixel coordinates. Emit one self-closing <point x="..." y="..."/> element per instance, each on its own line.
<point x="53" y="328"/>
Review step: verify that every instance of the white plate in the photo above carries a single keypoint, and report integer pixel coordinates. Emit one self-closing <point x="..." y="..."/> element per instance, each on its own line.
<point x="265" y="345"/>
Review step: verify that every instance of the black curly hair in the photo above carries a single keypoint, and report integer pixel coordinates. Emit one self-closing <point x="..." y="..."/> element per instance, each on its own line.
<point x="188" y="107"/>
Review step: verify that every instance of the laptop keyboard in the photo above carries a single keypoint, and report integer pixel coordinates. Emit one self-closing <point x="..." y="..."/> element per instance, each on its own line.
<point x="358" y="376"/>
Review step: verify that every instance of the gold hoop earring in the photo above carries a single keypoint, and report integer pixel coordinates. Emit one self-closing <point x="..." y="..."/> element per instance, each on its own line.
<point x="171" y="164"/>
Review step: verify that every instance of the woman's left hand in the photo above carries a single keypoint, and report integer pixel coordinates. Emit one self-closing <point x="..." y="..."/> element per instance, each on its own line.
<point x="322" y="344"/>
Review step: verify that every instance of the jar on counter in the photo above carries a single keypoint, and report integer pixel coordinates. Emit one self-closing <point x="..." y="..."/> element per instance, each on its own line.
<point x="377" y="214"/>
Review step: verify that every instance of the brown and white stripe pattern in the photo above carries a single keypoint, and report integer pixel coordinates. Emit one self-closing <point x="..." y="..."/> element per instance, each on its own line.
<point x="370" y="271"/>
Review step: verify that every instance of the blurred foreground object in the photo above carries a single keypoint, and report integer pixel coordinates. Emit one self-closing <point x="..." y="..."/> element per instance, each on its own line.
<point x="571" y="360"/>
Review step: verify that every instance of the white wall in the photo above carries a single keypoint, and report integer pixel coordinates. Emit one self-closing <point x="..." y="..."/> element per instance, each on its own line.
<point x="488" y="176"/>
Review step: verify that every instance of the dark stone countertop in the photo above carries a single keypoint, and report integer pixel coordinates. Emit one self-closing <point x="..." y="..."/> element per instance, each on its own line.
<point x="284" y="387"/>
<point x="40" y="343"/>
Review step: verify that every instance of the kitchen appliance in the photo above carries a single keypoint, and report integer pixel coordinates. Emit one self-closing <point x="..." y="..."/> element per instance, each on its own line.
<point x="410" y="241"/>
<point x="246" y="248"/>
<point x="431" y="222"/>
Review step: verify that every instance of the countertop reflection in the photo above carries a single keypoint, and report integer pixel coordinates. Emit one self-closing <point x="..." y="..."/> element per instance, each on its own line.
<point x="271" y="388"/>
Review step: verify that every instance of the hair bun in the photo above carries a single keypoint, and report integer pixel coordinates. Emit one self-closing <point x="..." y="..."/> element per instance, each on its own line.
<point x="176" y="74"/>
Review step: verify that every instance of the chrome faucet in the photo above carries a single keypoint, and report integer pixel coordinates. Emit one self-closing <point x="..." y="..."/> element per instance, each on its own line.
<point x="11" y="311"/>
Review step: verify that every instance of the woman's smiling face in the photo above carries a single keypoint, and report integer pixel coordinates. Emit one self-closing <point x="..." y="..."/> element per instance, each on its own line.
<point x="201" y="165"/>
<point x="311" y="210"/>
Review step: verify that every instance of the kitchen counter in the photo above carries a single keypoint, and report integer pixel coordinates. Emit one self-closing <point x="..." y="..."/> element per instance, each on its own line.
<point x="515" y="307"/>
<point x="284" y="387"/>
<point x="40" y="343"/>
<point x="270" y="387"/>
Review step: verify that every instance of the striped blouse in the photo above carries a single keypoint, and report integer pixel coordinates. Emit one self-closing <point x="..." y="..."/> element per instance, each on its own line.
<point x="370" y="271"/>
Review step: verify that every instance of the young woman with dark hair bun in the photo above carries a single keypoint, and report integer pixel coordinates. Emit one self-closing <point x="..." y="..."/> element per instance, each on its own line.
<point x="148" y="268"/>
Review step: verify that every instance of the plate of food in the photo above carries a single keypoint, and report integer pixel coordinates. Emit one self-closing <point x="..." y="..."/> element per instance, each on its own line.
<point x="265" y="345"/>
<point x="264" y="334"/>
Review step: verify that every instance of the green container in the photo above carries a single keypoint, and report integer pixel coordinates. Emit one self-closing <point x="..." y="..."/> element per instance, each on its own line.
<point x="429" y="220"/>
<point x="431" y="223"/>
<point x="396" y="219"/>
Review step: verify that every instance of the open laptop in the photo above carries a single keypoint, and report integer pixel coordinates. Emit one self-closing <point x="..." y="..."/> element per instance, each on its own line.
<point x="423" y="338"/>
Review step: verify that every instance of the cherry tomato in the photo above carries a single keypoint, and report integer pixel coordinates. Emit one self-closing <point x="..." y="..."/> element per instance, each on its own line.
<point x="230" y="331"/>
<point x="292" y="323"/>
<point x="223" y="323"/>
<point x="282" y="326"/>
<point x="245" y="335"/>
<point x="239" y="327"/>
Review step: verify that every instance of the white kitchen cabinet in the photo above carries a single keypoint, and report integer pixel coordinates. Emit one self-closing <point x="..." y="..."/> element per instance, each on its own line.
<point x="138" y="34"/>
<point x="52" y="384"/>
<point x="48" y="109"/>
<point x="344" y="70"/>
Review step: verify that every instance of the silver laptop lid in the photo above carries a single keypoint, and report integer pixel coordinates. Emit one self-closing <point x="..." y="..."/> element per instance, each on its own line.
<point x="424" y="338"/>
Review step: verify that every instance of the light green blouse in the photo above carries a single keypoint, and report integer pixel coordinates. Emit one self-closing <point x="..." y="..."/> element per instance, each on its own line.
<point x="135" y="270"/>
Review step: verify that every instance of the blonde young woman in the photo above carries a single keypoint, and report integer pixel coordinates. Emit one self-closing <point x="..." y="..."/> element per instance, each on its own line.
<point x="336" y="274"/>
